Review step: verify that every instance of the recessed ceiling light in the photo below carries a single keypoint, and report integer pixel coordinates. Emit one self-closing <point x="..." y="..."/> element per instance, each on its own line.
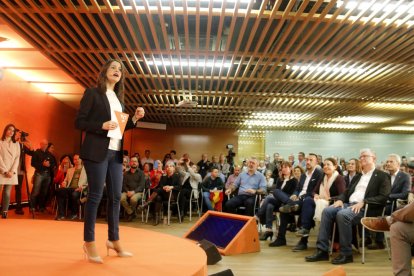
<point x="361" y="119"/>
<point x="338" y="126"/>
<point x="397" y="106"/>
<point x="399" y="128"/>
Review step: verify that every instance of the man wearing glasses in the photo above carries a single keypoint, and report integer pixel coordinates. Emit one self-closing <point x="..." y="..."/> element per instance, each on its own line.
<point x="371" y="187"/>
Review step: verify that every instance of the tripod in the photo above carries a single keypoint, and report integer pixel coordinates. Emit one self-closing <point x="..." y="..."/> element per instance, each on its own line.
<point x="25" y="179"/>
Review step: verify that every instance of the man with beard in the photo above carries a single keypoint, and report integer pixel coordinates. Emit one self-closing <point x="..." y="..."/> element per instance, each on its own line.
<point x="293" y="203"/>
<point x="371" y="187"/>
<point x="132" y="188"/>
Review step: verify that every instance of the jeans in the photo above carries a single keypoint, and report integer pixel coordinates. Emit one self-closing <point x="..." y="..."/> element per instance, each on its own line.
<point x="344" y="218"/>
<point x="207" y="201"/>
<point x="5" y="201"/>
<point x="108" y="172"/>
<point x="38" y="195"/>
<point x="265" y="212"/>
<point x="307" y="213"/>
<point x="67" y="193"/>
<point x="18" y="192"/>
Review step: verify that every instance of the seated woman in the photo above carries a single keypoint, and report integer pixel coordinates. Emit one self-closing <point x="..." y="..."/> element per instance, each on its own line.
<point x="287" y="183"/>
<point x="191" y="180"/>
<point x="269" y="180"/>
<point x="170" y="182"/>
<point x="156" y="174"/>
<point x="331" y="185"/>
<point x="71" y="187"/>
<point x="212" y="184"/>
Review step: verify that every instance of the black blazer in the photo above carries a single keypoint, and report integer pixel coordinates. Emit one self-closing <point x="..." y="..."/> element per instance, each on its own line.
<point x="315" y="179"/>
<point x="289" y="187"/>
<point x="401" y="186"/>
<point x="94" y="110"/>
<point x="376" y="194"/>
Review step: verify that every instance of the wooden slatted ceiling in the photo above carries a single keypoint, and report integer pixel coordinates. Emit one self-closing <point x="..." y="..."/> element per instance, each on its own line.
<point x="317" y="57"/>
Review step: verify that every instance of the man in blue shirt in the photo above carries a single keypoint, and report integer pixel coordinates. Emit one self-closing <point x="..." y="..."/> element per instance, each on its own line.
<point x="250" y="184"/>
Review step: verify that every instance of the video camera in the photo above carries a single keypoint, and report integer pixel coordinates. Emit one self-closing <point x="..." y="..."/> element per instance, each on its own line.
<point x="23" y="134"/>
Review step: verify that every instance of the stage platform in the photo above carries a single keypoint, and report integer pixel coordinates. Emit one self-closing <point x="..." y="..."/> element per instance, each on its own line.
<point x="44" y="247"/>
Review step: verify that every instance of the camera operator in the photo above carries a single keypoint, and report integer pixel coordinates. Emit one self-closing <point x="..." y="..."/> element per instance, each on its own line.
<point x="25" y="146"/>
<point x="43" y="162"/>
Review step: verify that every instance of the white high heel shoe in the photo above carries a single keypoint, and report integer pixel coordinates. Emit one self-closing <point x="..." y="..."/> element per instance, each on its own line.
<point x="110" y="245"/>
<point x="97" y="259"/>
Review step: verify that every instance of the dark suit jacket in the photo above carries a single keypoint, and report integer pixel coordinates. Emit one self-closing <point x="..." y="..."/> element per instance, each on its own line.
<point x="376" y="194"/>
<point x="94" y="110"/>
<point x="401" y="186"/>
<point x="315" y="179"/>
<point x="289" y="187"/>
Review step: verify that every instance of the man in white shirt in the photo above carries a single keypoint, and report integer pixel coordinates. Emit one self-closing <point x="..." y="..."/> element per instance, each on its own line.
<point x="147" y="158"/>
<point x="371" y="187"/>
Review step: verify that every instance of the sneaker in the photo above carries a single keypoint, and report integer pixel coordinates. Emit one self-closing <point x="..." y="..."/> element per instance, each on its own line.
<point x="302" y="232"/>
<point x="73" y="217"/>
<point x="60" y="218"/>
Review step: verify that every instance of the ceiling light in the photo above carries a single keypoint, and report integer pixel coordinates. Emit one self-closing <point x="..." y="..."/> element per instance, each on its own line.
<point x="270" y="123"/>
<point x="191" y="63"/>
<point x="338" y="126"/>
<point x="395" y="106"/>
<point x="281" y="115"/>
<point x="355" y="70"/>
<point x="361" y="119"/>
<point x="396" y="7"/>
<point x="399" y="128"/>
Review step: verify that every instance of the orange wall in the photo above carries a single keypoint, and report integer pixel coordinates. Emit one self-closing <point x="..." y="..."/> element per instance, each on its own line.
<point x="39" y="114"/>
<point x="194" y="141"/>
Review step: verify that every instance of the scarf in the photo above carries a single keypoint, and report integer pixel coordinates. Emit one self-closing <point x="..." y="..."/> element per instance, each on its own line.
<point x="326" y="185"/>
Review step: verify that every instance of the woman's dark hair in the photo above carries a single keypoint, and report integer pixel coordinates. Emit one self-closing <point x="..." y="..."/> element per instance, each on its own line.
<point x="119" y="86"/>
<point x="3" y="137"/>
<point x="333" y="161"/>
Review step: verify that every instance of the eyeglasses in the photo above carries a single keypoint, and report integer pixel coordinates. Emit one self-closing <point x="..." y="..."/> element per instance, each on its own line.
<point x="365" y="156"/>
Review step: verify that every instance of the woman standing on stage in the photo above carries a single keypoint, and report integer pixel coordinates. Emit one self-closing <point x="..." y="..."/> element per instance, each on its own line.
<point x="102" y="155"/>
<point x="9" y="162"/>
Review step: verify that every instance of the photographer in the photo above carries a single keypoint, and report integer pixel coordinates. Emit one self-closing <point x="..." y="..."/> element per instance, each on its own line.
<point x="25" y="146"/>
<point x="43" y="162"/>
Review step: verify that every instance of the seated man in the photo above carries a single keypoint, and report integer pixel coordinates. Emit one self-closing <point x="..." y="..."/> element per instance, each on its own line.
<point x="249" y="184"/>
<point x="401" y="227"/>
<point x="132" y="188"/>
<point x="293" y="202"/>
<point x="210" y="184"/>
<point x="71" y="187"/>
<point x="371" y="187"/>
<point x="400" y="187"/>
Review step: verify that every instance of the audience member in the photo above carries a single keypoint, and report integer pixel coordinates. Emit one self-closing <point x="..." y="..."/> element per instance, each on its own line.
<point x="42" y="161"/>
<point x="287" y="185"/>
<point x="74" y="182"/>
<point x="371" y="187"/>
<point x="211" y="184"/>
<point x="330" y="186"/>
<point x="400" y="187"/>
<point x="147" y="158"/>
<point x="401" y="227"/>
<point x="132" y="188"/>
<point x="204" y="165"/>
<point x="250" y="184"/>
<point x="353" y="168"/>
<point x="301" y="160"/>
<point x="293" y="202"/>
